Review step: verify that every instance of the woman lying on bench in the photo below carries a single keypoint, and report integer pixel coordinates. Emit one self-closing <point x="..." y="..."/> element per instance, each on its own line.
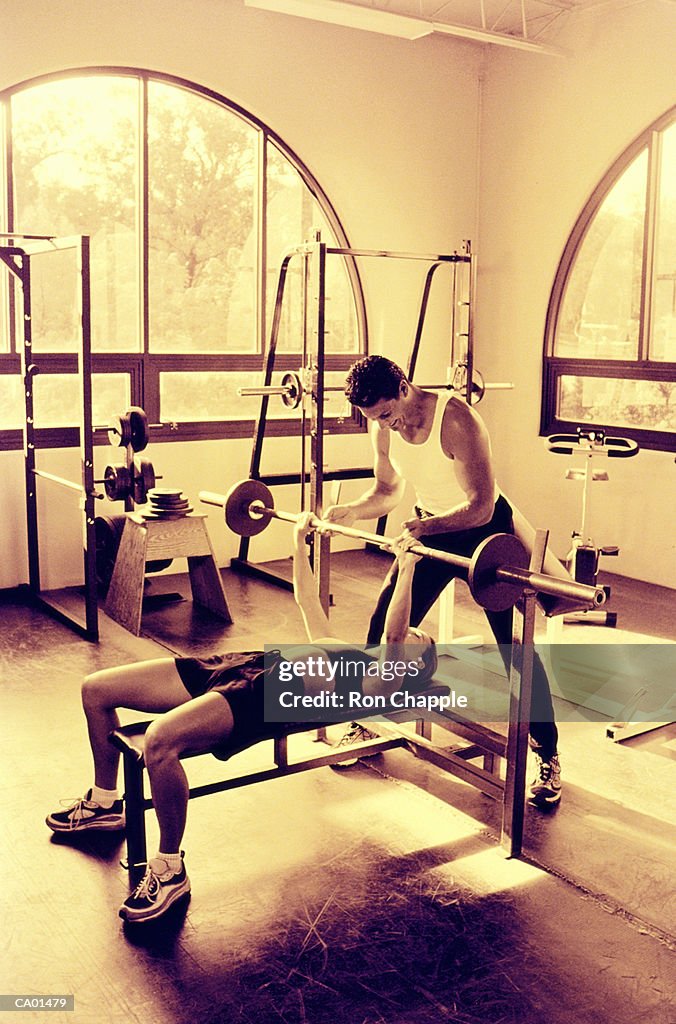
<point x="215" y="702"/>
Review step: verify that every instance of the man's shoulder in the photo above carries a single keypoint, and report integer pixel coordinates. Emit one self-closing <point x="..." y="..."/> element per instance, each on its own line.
<point x="460" y="424"/>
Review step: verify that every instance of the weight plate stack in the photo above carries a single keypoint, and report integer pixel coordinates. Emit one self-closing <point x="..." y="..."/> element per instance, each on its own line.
<point x="167" y="504"/>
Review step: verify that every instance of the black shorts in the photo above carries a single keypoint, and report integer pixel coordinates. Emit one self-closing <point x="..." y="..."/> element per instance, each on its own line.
<point x="240" y="678"/>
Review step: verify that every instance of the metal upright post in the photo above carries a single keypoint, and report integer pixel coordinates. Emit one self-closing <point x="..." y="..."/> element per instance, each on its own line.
<point x="87" y="442"/>
<point x="520" y="694"/>
<point x="520" y="689"/>
<point x="317" y="308"/>
<point x="27" y="368"/>
<point x="471" y="285"/>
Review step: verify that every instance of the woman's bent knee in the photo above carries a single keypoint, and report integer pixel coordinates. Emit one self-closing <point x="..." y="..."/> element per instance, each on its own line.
<point x="160" y="744"/>
<point x="96" y="689"/>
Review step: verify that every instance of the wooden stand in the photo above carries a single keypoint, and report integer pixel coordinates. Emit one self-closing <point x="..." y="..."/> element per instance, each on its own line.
<point x="147" y="539"/>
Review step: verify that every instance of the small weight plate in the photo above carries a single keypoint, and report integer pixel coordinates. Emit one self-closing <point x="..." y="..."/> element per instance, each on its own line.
<point x="119" y="431"/>
<point x="496" y="552"/>
<point x="139" y="428"/>
<point x="238" y="515"/>
<point x="144" y="480"/>
<point x="117" y="482"/>
<point x="478" y="389"/>
<point x="294" y="395"/>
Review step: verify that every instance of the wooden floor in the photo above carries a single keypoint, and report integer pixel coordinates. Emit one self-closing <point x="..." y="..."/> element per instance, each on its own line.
<point x="375" y="895"/>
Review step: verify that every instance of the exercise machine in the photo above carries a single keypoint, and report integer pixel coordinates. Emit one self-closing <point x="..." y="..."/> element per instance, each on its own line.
<point x="582" y="561"/>
<point x="307" y="386"/>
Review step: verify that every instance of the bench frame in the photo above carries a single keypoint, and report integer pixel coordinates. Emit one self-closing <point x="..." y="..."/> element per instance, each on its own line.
<point x="481" y="744"/>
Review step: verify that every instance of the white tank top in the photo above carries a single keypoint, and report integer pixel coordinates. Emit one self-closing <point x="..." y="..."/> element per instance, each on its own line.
<point x="429" y="471"/>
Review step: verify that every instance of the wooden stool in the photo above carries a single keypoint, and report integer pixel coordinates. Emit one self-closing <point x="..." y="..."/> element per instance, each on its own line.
<point x="147" y="539"/>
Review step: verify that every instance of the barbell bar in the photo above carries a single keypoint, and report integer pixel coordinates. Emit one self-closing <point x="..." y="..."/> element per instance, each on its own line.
<point x="119" y="482"/>
<point x="291" y="388"/>
<point x="71" y="484"/>
<point x="497" y="572"/>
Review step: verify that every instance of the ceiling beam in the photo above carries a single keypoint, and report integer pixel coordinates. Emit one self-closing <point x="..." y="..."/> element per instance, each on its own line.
<point x="374" y="19"/>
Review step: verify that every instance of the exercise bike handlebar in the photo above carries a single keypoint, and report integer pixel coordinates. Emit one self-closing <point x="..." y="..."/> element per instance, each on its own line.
<point x="593" y="443"/>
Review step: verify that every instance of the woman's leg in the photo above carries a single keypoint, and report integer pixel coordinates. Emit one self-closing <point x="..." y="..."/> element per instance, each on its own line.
<point x="195" y="727"/>
<point x="149" y="686"/>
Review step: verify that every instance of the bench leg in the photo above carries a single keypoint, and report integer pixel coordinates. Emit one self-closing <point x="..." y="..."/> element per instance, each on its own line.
<point x="136" y="821"/>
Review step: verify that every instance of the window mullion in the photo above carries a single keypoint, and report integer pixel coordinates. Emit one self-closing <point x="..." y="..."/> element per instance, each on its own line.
<point x="10" y="284"/>
<point x="649" y="242"/>
<point x="262" y="231"/>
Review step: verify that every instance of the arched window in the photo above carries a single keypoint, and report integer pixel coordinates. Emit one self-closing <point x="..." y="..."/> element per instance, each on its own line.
<point x="610" y="345"/>
<point x="189" y="202"/>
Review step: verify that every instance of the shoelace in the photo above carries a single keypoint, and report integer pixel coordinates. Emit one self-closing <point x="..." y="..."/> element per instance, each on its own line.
<point x="352" y="734"/>
<point x="76" y="806"/>
<point x="148" y="887"/>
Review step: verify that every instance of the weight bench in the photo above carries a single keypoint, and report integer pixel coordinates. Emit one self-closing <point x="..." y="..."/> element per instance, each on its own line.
<point x="482" y="744"/>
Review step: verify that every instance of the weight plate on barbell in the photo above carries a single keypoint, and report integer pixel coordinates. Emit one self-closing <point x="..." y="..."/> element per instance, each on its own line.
<point x="143" y="480"/>
<point x="117" y="482"/>
<point x="478" y="388"/>
<point x="238" y="515"/>
<point x="119" y="431"/>
<point x="294" y="395"/>
<point x="496" y="552"/>
<point x="139" y="428"/>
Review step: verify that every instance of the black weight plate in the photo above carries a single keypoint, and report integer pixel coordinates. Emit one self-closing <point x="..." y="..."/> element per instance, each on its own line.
<point x="238" y="514"/>
<point x="139" y="428"/>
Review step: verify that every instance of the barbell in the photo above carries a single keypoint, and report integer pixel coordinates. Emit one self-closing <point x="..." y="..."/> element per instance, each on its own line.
<point x="132" y="428"/>
<point x="496" y="574"/>
<point x="292" y="388"/>
<point x="121" y="481"/>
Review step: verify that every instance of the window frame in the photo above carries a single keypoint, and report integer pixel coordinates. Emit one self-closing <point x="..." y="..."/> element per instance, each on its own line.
<point x="642" y="368"/>
<point x="145" y="366"/>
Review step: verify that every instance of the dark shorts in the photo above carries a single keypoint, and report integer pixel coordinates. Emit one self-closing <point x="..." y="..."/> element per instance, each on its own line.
<point x="240" y="677"/>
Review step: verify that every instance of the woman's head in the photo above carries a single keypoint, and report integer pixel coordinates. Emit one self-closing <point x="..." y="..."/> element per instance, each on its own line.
<point x="427" y="656"/>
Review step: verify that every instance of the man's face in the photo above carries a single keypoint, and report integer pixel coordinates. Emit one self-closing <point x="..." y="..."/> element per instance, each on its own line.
<point x="388" y="413"/>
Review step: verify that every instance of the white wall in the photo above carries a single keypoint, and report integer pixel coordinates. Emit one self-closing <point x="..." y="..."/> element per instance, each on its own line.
<point x="388" y="128"/>
<point x="550" y="129"/>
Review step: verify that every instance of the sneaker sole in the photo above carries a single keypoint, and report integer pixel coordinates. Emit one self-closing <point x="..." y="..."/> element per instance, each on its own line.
<point x="539" y="800"/>
<point x="94" y="826"/>
<point x="141" y="916"/>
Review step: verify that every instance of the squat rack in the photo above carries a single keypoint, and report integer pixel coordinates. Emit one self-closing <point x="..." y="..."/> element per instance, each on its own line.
<point x="314" y="253"/>
<point x="17" y="258"/>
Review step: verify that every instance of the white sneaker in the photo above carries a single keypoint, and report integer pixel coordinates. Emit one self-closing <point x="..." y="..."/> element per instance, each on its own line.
<point x="354" y="734"/>
<point x="545" y="789"/>
<point x="158" y="890"/>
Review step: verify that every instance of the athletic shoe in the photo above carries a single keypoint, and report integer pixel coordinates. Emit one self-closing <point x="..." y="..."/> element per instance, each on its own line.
<point x="354" y="733"/>
<point x="545" y="789"/>
<point x="157" y="891"/>
<point x="85" y="815"/>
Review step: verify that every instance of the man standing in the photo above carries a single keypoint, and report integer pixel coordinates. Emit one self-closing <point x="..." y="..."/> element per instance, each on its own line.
<point x="442" y="449"/>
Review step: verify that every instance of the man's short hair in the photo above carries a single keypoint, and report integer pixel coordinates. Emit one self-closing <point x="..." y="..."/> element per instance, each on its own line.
<point x="372" y="380"/>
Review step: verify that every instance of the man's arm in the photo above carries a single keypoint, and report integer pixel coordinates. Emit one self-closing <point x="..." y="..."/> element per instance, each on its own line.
<point x="385" y="493"/>
<point x="465" y="440"/>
